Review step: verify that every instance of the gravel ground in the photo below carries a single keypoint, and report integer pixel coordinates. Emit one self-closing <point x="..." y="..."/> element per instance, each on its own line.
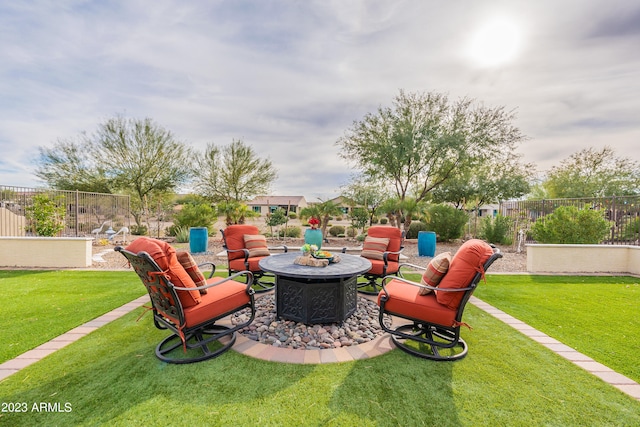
<point x="511" y="262"/>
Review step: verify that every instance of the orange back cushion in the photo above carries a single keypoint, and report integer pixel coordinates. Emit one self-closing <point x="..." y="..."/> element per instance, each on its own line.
<point x="165" y="256"/>
<point x="467" y="261"/>
<point x="234" y="238"/>
<point x="394" y="235"/>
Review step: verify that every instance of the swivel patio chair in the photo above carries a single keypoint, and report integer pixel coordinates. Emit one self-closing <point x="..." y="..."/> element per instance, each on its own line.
<point x="245" y="248"/>
<point x="434" y="307"/>
<point x="382" y="246"/>
<point x="190" y="312"/>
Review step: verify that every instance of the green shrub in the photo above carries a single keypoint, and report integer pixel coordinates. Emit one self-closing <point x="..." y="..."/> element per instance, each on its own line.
<point x="414" y="228"/>
<point x="139" y="230"/>
<point x="384" y="221"/>
<point x="194" y="215"/>
<point x="182" y="234"/>
<point x="47" y="215"/>
<point x="292" y="215"/>
<point x="570" y="225"/>
<point x="631" y="231"/>
<point x="447" y="222"/>
<point x="351" y="231"/>
<point x="293" y="232"/>
<point x="336" y="230"/>
<point x="496" y="229"/>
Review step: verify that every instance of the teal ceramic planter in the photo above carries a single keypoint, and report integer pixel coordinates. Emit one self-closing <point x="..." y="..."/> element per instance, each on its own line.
<point x="313" y="237"/>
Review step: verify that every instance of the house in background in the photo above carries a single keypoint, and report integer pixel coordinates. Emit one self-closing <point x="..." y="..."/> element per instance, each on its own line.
<point x="340" y="201"/>
<point x="488" y="210"/>
<point x="264" y="205"/>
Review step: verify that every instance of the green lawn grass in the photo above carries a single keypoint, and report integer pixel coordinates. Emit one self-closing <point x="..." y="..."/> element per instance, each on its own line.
<point x="597" y="316"/>
<point x="111" y="377"/>
<point x="40" y="305"/>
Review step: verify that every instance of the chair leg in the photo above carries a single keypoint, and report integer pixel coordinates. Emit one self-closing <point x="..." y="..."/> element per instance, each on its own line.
<point x="429" y="342"/>
<point x="201" y="344"/>
<point x="370" y="287"/>
<point x="261" y="286"/>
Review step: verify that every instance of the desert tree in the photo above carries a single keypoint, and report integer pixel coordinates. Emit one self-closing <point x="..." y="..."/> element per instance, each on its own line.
<point x="127" y="155"/>
<point x="233" y="172"/>
<point x="424" y="139"/>
<point x="593" y="173"/>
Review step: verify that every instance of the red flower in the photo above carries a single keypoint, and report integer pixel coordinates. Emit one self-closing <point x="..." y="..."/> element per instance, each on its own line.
<point x="314" y="221"/>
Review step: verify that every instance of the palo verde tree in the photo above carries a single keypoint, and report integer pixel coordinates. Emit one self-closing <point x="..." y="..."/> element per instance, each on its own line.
<point x="133" y="156"/>
<point x="71" y="165"/>
<point x="233" y="173"/>
<point x="146" y="161"/>
<point x="424" y="139"/>
<point x="500" y="178"/>
<point x="593" y="173"/>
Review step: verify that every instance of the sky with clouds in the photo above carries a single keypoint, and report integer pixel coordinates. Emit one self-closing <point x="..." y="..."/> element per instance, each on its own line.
<point x="290" y="77"/>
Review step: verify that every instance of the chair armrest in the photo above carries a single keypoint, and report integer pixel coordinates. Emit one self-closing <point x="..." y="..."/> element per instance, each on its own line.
<point x="419" y="285"/>
<point x="233" y="276"/>
<point x="409" y="265"/>
<point x="212" y="266"/>
<point x="244" y="251"/>
<point x="386" y="254"/>
<point x="283" y="247"/>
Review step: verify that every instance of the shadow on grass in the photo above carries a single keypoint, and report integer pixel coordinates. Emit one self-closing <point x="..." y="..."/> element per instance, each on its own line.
<point x="113" y="377"/>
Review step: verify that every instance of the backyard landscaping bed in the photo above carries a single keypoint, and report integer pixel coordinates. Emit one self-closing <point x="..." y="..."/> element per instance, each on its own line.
<point x="511" y="262"/>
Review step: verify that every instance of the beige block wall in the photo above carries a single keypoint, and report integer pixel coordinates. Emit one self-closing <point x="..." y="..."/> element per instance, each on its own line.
<point x="11" y="224"/>
<point x="542" y="258"/>
<point x="46" y="252"/>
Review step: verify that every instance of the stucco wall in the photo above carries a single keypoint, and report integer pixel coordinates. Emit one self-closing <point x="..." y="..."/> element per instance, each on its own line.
<point x="542" y="258"/>
<point x="46" y="252"/>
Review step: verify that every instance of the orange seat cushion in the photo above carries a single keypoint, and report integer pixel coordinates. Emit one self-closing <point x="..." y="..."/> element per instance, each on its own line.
<point x="165" y="256"/>
<point x="220" y="299"/>
<point x="234" y="238"/>
<point x="467" y="261"/>
<point x="377" y="267"/>
<point x="238" y="264"/>
<point x="405" y="300"/>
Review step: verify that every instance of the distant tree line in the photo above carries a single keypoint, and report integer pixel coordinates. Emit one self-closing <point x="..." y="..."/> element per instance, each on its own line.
<point x="424" y="149"/>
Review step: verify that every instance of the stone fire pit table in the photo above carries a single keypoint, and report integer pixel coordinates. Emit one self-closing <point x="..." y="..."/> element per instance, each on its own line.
<point x="315" y="294"/>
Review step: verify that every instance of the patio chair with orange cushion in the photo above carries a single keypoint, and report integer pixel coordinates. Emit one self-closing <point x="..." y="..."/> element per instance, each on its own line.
<point x="188" y="304"/>
<point x="434" y="307"/>
<point x="382" y="246"/>
<point x="245" y="248"/>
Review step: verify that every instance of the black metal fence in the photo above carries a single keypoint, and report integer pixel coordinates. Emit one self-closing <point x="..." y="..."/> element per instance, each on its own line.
<point x="86" y="214"/>
<point x="623" y="213"/>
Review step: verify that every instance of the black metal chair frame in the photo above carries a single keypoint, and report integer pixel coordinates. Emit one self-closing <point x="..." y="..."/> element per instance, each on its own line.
<point x="259" y="284"/>
<point x="166" y="306"/>
<point x="434" y="336"/>
<point x="372" y="279"/>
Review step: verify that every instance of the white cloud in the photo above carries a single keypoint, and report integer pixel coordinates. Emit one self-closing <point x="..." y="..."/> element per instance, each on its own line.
<point x="290" y="77"/>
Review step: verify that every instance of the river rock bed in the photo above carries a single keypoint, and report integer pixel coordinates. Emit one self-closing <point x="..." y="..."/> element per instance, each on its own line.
<point x="359" y="328"/>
